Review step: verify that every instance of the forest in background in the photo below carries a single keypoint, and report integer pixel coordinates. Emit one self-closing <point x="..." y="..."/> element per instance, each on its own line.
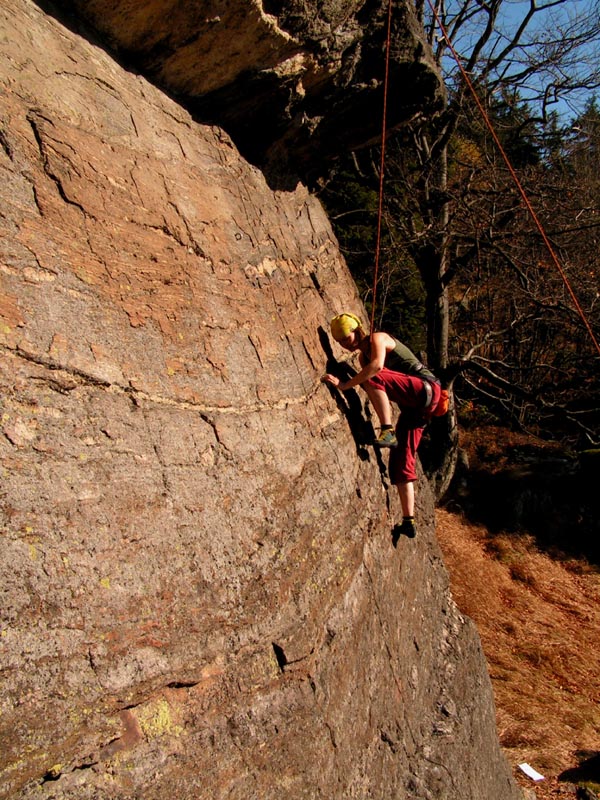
<point x="465" y="277"/>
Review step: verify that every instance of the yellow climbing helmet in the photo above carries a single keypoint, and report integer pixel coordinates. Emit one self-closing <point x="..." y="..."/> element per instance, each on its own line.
<point x="343" y="324"/>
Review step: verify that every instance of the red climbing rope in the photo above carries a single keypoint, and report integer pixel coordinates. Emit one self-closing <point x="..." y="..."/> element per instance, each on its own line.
<point x="515" y="178"/>
<point x="382" y="163"/>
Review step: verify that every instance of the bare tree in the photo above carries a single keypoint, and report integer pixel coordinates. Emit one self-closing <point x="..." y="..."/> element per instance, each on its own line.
<point x="548" y="51"/>
<point x="527" y="346"/>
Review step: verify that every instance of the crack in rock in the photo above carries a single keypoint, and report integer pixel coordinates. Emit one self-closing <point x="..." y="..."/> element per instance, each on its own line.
<point x="32" y="118"/>
<point x="137" y="395"/>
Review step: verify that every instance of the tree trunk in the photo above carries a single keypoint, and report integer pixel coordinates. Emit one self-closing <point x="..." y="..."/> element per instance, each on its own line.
<point x="435" y="285"/>
<point x="439" y="451"/>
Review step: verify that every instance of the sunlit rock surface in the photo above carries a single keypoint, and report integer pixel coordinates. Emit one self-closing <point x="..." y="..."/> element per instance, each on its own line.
<point x="199" y="594"/>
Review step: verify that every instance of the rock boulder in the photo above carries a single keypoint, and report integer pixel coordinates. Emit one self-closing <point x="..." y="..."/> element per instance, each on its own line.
<point x="200" y="598"/>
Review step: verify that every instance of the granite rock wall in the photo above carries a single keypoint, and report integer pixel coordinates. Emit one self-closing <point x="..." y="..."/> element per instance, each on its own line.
<point x="198" y="591"/>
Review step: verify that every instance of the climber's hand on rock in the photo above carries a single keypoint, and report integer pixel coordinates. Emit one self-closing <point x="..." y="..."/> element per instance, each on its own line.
<point x="331" y="379"/>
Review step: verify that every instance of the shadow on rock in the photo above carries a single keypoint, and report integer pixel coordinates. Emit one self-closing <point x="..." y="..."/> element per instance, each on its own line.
<point x="350" y="405"/>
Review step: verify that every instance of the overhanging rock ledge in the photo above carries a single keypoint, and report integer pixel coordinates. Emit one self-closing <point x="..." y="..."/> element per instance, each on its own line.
<point x="293" y="83"/>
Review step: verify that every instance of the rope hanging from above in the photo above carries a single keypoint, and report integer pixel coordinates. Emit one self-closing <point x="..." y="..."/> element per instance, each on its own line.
<point x="386" y="81"/>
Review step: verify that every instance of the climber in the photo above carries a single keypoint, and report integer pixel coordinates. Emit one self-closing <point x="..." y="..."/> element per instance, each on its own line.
<point x="390" y="372"/>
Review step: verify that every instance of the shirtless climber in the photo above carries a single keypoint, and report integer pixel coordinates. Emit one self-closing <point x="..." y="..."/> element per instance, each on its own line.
<point x="390" y="372"/>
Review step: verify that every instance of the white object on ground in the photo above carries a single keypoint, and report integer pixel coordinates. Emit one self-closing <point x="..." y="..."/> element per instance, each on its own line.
<point x="530" y="772"/>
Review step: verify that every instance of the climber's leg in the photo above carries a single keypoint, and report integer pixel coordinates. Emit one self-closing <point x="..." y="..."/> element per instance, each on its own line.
<point x="381" y="404"/>
<point x="406" y="492"/>
<point x="403" y="475"/>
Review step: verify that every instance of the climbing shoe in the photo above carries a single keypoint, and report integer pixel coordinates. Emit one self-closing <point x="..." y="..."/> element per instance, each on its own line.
<point x="406" y="528"/>
<point x="387" y="438"/>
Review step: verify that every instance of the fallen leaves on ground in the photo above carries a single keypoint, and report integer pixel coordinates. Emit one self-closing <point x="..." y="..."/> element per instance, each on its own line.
<point x="539" y="622"/>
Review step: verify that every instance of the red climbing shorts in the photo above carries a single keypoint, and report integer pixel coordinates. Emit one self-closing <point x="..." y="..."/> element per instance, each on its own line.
<point x="409" y="394"/>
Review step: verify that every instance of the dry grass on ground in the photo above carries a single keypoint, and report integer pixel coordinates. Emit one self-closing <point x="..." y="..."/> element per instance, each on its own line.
<point x="539" y="622"/>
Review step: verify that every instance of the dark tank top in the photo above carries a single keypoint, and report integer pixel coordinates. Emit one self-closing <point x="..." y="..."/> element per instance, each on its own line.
<point x="401" y="359"/>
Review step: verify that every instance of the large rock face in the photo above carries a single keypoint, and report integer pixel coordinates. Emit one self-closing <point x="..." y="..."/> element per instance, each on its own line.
<point x="200" y="598"/>
<point x="292" y="82"/>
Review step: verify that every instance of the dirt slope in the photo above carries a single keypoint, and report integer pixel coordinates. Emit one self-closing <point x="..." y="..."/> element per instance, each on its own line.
<point x="539" y="621"/>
